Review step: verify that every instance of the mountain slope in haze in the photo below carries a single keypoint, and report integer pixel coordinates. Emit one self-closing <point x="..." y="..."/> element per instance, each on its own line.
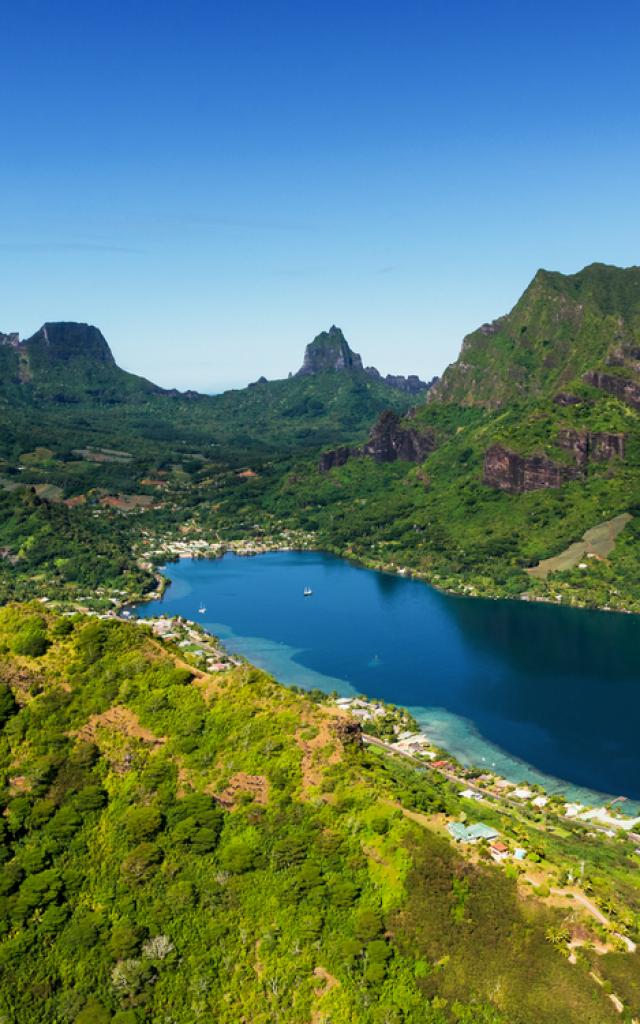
<point x="65" y="362"/>
<point x="69" y="371"/>
<point x="330" y="351"/>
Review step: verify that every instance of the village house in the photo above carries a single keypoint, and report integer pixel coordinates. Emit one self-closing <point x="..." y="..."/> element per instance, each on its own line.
<point x="499" y="850"/>
<point x="471" y="833"/>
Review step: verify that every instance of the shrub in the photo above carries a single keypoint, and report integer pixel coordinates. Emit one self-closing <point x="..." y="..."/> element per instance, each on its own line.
<point x="237" y="856"/>
<point x="53" y="919"/>
<point x="93" y="1012"/>
<point x="142" y="823"/>
<point x="30" y="642"/>
<point x="91" y="798"/>
<point x="124" y="941"/>
<point x="141" y="862"/>
<point x="8" y="704"/>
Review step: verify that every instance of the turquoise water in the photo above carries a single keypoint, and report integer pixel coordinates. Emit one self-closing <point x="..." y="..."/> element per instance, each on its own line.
<point x="535" y="692"/>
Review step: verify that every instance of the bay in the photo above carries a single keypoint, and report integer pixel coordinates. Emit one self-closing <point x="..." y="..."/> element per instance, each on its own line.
<point x="532" y="691"/>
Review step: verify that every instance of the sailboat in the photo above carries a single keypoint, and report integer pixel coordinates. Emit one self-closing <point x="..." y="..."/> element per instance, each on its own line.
<point x="201" y="609"/>
<point x="307" y="592"/>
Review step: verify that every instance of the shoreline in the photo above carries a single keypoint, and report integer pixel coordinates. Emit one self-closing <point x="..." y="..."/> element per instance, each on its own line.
<point x="247" y="547"/>
<point x="521" y="773"/>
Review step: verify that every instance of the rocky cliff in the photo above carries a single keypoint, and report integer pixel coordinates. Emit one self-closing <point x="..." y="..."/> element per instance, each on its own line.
<point x="591" y="446"/>
<point x="66" y="361"/>
<point x="562" y="327"/>
<point x="337" y="457"/>
<point x="507" y="470"/>
<point x="412" y="384"/>
<point x="628" y="391"/>
<point x="329" y="351"/>
<point x="388" y="441"/>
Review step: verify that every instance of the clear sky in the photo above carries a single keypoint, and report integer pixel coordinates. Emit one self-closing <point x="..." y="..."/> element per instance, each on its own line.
<point x="213" y="183"/>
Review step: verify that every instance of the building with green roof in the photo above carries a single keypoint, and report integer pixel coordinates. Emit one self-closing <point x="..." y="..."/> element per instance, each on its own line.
<point x="471" y="833"/>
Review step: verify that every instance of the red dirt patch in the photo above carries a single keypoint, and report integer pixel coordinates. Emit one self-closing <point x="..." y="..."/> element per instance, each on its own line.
<point x="19" y="784"/>
<point x="126" y="502"/>
<point x="324" y="748"/>
<point x="122" y="720"/>
<point x="239" y="783"/>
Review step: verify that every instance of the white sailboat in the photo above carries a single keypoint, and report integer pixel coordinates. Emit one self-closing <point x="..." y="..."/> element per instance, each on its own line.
<point x="307" y="592"/>
<point x="202" y="609"/>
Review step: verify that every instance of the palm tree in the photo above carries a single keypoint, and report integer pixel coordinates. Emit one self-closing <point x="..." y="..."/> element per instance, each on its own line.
<point x="557" y="935"/>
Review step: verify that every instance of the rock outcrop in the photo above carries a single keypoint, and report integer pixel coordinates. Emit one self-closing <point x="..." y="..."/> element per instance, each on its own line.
<point x="63" y="342"/>
<point x="411" y="385"/>
<point x="336" y="457"/>
<point x="506" y="470"/>
<point x="12" y="339"/>
<point x="592" y="446"/>
<point x="388" y="441"/>
<point x="626" y="390"/>
<point x="564" y="398"/>
<point x="330" y="351"/>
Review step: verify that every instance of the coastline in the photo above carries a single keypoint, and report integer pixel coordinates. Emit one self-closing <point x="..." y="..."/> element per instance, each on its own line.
<point x="445" y="731"/>
<point x="298" y="541"/>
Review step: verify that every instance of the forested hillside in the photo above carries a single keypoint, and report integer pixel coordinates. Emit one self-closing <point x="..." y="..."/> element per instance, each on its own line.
<point x="182" y="846"/>
<point x="535" y="440"/>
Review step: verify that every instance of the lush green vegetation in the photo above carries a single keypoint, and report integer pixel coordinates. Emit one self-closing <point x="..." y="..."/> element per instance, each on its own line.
<point x="245" y="462"/>
<point x="219" y="847"/>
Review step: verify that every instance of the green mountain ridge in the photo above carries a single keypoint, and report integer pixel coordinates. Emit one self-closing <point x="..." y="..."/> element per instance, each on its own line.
<point x="531" y="439"/>
<point x="228" y="849"/>
<point x="561" y="327"/>
<point x="69" y="372"/>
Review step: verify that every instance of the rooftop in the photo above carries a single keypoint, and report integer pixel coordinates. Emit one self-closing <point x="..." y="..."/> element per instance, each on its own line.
<point x="471" y="833"/>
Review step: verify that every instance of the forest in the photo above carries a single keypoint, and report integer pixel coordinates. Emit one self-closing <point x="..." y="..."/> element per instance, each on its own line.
<point x="177" y="846"/>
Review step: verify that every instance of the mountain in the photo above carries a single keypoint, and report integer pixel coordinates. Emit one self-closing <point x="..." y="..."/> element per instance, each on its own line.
<point x="562" y="327"/>
<point x="68" y="372"/>
<point x="66" y="362"/>
<point x="330" y="351"/>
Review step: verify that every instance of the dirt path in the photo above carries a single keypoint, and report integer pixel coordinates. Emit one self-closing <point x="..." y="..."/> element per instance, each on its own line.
<point x="577" y="896"/>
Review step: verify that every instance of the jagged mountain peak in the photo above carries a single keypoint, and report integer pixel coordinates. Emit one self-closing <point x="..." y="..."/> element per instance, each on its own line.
<point x="329" y="350"/>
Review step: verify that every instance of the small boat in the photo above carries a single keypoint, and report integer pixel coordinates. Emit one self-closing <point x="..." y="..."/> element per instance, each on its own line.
<point x="307" y="592"/>
<point x="201" y="609"/>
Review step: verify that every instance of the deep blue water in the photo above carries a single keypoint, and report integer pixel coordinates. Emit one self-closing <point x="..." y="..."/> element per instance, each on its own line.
<point x="543" y="693"/>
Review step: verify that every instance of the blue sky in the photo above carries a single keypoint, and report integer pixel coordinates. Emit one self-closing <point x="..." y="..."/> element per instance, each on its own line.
<point x="212" y="183"/>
